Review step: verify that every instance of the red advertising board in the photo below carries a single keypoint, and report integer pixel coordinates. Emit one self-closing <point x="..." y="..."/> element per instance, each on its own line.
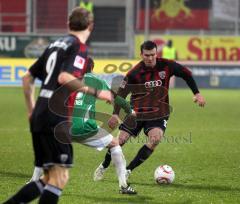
<point x="174" y="14"/>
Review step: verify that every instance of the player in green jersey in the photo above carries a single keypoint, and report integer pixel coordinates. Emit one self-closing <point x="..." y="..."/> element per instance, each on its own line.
<point x="84" y="125"/>
<point x="84" y="129"/>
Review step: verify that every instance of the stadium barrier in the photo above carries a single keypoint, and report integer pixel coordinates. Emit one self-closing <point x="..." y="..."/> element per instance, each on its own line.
<point x="222" y="75"/>
<point x="207" y="74"/>
<point x="197" y="47"/>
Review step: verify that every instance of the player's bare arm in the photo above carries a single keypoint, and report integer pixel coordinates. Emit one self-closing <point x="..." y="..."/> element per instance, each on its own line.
<point x="74" y="84"/>
<point x="29" y="92"/>
<point x="113" y="121"/>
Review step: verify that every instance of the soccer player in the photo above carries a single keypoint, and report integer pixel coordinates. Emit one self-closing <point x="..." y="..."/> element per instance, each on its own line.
<point x="148" y="83"/>
<point x="85" y="130"/>
<point x="57" y="68"/>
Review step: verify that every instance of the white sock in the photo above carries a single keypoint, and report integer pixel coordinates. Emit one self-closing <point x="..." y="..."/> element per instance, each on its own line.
<point x="120" y="164"/>
<point x="37" y="173"/>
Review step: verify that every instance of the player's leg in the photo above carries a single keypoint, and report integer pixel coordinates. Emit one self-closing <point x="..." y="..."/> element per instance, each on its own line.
<point x="103" y="139"/>
<point x="99" y="172"/>
<point x="124" y="134"/>
<point x="33" y="189"/>
<point x="38" y="170"/>
<point x="123" y="137"/>
<point x="146" y="150"/>
<point x="27" y="193"/>
<point x="57" y="159"/>
<point x="155" y="135"/>
<point x="119" y="162"/>
<point x="155" y="131"/>
<point x="58" y="178"/>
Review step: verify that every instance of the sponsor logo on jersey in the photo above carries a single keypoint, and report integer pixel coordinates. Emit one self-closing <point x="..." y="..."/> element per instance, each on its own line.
<point x="79" y="62"/>
<point x="151" y="84"/>
<point x="78" y="102"/>
<point x="162" y="74"/>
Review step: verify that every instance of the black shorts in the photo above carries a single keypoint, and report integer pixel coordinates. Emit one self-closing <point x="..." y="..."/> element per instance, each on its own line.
<point x="49" y="152"/>
<point x="146" y="125"/>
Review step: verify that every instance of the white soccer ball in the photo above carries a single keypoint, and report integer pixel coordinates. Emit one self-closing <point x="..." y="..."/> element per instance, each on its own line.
<point x="164" y="174"/>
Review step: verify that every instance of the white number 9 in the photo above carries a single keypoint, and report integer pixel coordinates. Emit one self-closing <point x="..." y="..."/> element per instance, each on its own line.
<point x="50" y="66"/>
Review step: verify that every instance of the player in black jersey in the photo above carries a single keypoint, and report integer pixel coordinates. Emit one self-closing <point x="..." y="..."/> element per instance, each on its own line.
<point x="58" y="68"/>
<point x="148" y="83"/>
<point x="86" y="131"/>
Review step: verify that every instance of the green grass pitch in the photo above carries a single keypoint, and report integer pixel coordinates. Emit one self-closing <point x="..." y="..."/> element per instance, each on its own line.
<point x="202" y="146"/>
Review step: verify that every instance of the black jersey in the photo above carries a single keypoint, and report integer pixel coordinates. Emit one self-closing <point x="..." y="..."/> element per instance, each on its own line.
<point x="65" y="54"/>
<point x="149" y="86"/>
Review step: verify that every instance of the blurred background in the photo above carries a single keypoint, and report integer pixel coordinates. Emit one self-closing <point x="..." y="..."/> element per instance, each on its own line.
<point x="204" y="35"/>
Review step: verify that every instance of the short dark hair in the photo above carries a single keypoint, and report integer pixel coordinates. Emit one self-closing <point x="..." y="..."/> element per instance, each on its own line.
<point x="148" y="45"/>
<point x="79" y="19"/>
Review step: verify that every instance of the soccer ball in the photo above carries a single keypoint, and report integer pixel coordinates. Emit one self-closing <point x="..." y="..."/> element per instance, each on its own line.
<point x="164" y="174"/>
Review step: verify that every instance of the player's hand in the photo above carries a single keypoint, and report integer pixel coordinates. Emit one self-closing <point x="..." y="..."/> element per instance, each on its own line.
<point x="30" y="111"/>
<point x="199" y="99"/>
<point x="29" y="116"/>
<point x="113" y="121"/>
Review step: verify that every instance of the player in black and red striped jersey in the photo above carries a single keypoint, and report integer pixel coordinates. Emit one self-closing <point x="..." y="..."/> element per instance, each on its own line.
<point x="60" y="69"/>
<point x="148" y="83"/>
<point x="56" y="67"/>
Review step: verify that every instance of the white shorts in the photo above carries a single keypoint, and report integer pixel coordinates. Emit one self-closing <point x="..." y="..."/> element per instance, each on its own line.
<point x="99" y="141"/>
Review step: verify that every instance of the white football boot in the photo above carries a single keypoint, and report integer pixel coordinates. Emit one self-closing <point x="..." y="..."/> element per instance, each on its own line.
<point x="99" y="172"/>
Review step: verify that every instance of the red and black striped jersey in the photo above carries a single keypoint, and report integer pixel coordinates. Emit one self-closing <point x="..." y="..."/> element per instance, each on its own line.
<point x="66" y="54"/>
<point x="149" y="86"/>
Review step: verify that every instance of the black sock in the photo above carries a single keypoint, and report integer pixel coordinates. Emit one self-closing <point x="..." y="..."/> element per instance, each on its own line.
<point x="107" y="159"/>
<point x="50" y="195"/>
<point x="141" y="156"/>
<point x="27" y="193"/>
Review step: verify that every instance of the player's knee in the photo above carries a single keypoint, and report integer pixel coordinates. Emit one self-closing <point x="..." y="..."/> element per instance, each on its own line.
<point x="63" y="178"/>
<point x="157" y="139"/>
<point x="155" y="136"/>
<point x="122" y="141"/>
<point x="58" y="177"/>
<point x="154" y="141"/>
<point x="113" y="143"/>
<point x="123" y="137"/>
